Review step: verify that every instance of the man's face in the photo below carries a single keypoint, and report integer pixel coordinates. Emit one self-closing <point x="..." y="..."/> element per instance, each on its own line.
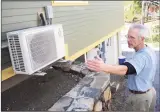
<point x="133" y="39"/>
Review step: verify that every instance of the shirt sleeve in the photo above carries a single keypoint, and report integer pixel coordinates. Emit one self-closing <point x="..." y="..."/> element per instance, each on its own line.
<point x="131" y="70"/>
<point x="138" y="62"/>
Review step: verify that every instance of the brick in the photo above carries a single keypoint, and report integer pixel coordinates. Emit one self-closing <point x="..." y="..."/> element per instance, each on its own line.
<point x="98" y="106"/>
<point x="82" y="104"/>
<point x="62" y="104"/>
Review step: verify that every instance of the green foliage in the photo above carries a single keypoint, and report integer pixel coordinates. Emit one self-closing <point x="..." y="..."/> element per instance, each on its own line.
<point x="153" y="39"/>
<point x="156" y="38"/>
<point x="137" y="6"/>
<point x="129" y="15"/>
<point x="133" y="12"/>
<point x="148" y="40"/>
<point x="156" y="29"/>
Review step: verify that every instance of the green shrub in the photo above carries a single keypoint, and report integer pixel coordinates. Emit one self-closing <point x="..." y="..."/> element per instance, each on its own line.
<point x="156" y="38"/>
<point x="153" y="39"/>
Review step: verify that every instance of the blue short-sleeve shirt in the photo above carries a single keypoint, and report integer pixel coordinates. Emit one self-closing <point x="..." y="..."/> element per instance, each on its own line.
<point x="144" y="62"/>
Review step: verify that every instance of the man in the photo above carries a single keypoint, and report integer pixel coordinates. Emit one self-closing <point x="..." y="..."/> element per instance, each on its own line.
<point x="140" y="70"/>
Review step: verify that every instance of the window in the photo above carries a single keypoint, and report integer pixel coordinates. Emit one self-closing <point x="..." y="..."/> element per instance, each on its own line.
<point x="69" y="3"/>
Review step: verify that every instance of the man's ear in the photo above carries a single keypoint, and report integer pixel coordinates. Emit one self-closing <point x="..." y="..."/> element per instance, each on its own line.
<point x="143" y="38"/>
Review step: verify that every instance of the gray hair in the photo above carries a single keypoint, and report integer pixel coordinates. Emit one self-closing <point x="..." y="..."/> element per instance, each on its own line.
<point x="143" y="30"/>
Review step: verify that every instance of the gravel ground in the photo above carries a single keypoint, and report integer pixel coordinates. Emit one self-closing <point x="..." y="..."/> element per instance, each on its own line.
<point x="118" y="99"/>
<point x="38" y="93"/>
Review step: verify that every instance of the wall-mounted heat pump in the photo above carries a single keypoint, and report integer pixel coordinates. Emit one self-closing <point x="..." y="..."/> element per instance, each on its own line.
<point x="35" y="48"/>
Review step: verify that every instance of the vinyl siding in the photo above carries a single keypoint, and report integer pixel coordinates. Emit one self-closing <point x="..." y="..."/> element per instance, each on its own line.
<point x="82" y="25"/>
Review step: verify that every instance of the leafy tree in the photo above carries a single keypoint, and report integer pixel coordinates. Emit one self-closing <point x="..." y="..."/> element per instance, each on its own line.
<point x="137" y="6"/>
<point x="134" y="12"/>
<point x="155" y="36"/>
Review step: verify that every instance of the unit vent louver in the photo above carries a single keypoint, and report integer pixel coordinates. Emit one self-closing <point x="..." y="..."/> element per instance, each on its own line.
<point x="16" y="53"/>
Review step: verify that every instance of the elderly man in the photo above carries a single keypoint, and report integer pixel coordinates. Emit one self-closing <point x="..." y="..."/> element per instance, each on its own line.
<point x="140" y="70"/>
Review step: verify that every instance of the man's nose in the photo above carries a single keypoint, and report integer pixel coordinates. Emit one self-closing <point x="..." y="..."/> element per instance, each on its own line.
<point x="128" y="39"/>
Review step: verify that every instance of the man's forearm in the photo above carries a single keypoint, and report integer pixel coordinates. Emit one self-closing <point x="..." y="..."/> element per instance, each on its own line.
<point x="115" y="69"/>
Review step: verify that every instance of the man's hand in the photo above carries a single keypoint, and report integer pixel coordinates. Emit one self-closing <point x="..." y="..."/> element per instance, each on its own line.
<point x="96" y="65"/>
<point x="99" y="66"/>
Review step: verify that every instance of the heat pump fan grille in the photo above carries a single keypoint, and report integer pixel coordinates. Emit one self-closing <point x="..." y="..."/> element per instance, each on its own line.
<point x="16" y="53"/>
<point x="42" y="48"/>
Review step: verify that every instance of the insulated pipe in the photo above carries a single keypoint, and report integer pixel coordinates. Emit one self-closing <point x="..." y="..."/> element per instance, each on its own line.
<point x="42" y="18"/>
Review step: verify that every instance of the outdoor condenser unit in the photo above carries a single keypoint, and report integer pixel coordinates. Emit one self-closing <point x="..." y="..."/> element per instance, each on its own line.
<point x="35" y="48"/>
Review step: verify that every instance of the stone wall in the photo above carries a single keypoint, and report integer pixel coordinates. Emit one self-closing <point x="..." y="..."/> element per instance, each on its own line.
<point x="92" y="93"/>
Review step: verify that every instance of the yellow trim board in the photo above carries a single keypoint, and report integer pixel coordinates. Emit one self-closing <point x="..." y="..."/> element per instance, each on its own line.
<point x="83" y="51"/>
<point x="66" y="51"/>
<point x="69" y="3"/>
<point x="7" y="73"/>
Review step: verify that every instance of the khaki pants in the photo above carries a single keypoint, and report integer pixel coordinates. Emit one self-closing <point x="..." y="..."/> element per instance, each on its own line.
<point x="141" y="102"/>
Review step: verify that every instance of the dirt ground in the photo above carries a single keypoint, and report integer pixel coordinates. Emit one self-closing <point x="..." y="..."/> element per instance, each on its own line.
<point x="38" y="93"/>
